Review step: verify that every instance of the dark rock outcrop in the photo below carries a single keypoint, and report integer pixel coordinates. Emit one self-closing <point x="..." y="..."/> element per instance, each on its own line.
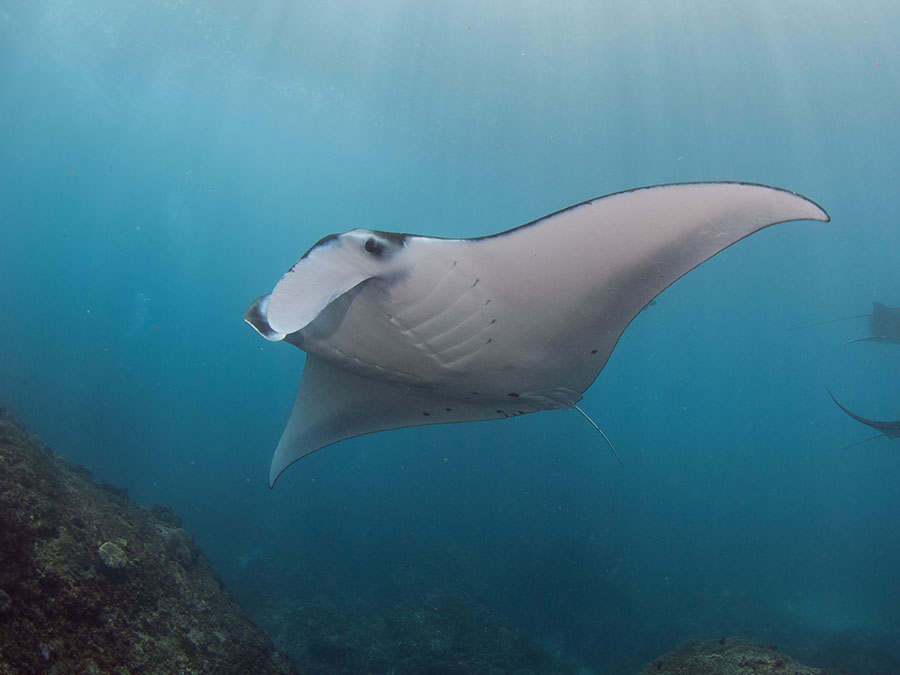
<point x="92" y="583"/>
<point x="728" y="656"/>
<point x="424" y="631"/>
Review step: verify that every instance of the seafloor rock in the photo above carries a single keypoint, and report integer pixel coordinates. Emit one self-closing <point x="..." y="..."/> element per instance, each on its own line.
<point x="728" y="656"/>
<point x="92" y="583"/>
<point x="427" y="632"/>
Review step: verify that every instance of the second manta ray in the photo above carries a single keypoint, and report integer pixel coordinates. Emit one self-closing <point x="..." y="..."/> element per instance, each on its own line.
<point x="884" y="324"/>
<point x="403" y="330"/>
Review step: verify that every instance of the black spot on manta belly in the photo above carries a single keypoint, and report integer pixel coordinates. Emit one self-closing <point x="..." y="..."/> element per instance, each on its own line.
<point x="513" y="394"/>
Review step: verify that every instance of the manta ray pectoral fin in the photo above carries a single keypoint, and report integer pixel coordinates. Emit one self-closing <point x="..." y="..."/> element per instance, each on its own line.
<point x="334" y="404"/>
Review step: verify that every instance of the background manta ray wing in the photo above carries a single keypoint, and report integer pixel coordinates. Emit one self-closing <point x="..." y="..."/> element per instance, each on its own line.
<point x="334" y="404"/>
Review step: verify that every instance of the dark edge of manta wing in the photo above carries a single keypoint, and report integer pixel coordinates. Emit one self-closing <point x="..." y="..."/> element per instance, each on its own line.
<point x="650" y="187"/>
<point x="406" y="235"/>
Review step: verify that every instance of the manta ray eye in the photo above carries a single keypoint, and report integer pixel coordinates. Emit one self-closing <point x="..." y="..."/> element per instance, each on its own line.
<point x="374" y="246"/>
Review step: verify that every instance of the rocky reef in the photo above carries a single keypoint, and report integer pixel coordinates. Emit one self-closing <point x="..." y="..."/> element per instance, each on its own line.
<point x="728" y="656"/>
<point x="423" y="631"/>
<point x="92" y="583"/>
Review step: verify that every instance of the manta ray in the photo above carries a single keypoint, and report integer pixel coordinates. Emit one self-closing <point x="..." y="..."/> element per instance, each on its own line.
<point x="884" y="324"/>
<point x="402" y="330"/>
<point x="887" y="429"/>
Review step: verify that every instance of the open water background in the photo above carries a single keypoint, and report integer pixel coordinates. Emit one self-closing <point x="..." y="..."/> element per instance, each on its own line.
<point x="162" y="163"/>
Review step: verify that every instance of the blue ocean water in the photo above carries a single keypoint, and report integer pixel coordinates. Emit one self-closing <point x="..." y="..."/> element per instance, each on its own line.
<point x="162" y="163"/>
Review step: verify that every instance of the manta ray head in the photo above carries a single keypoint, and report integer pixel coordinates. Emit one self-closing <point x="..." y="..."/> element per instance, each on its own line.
<point x="333" y="266"/>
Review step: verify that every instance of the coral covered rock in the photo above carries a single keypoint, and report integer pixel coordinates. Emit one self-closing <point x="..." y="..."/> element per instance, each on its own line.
<point x="728" y="656"/>
<point x="112" y="555"/>
<point x="92" y="583"/>
<point x="427" y="632"/>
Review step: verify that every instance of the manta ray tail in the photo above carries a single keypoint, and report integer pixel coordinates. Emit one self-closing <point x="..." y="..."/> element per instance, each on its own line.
<point x="865" y="440"/>
<point x="824" y="323"/>
<point x="600" y="431"/>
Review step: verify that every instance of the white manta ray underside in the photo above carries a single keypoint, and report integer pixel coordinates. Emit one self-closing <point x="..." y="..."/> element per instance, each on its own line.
<point x="402" y="330"/>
